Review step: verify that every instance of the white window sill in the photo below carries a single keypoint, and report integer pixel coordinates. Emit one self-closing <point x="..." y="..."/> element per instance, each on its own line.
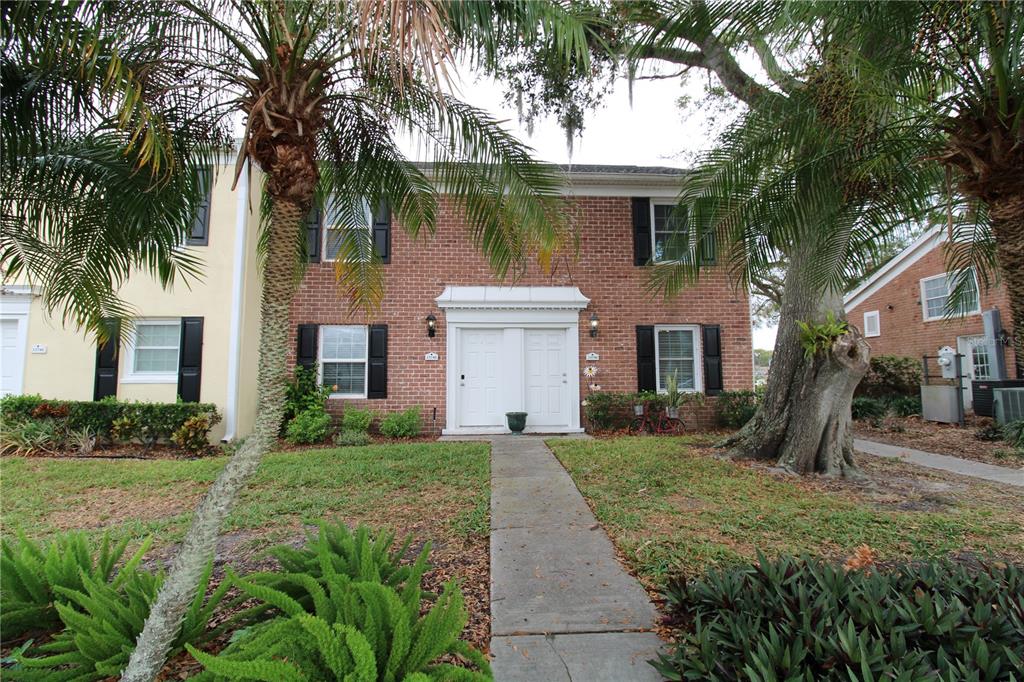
<point x="346" y="396"/>
<point x="952" y="317"/>
<point x="150" y="379"/>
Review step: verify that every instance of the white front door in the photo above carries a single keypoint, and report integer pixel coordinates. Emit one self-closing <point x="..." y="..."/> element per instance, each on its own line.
<point x="478" y="376"/>
<point x="10" y="360"/>
<point x="547" y="378"/>
<point x="977" y="365"/>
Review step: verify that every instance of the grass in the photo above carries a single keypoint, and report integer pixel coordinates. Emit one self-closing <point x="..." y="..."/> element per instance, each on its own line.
<point x="672" y="507"/>
<point x="442" y="485"/>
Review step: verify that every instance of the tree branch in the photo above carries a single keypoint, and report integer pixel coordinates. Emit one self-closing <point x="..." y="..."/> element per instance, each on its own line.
<point x="771" y="66"/>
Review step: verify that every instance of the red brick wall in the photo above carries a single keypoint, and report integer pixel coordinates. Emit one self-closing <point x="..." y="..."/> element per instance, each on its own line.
<point x="604" y="272"/>
<point x="903" y="329"/>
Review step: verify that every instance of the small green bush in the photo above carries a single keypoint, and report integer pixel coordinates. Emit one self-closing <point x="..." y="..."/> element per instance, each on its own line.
<point x="905" y="405"/>
<point x="102" y="621"/>
<point x="868" y="408"/>
<point x="356" y="420"/>
<point x="890" y="376"/>
<point x="304" y="392"/>
<point x="193" y="435"/>
<point x="31" y="576"/>
<point x="611" y="411"/>
<point x="1013" y="433"/>
<point x="735" y="408"/>
<point x="989" y="432"/>
<point x="404" y="424"/>
<point x="347" y="438"/>
<point x="25" y="436"/>
<point x="807" y="619"/>
<point x="308" y="427"/>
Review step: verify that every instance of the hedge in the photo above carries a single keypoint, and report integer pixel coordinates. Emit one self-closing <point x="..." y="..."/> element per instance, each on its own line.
<point x="609" y="411"/>
<point x="153" y="422"/>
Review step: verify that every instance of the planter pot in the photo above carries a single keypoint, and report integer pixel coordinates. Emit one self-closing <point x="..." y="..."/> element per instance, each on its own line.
<point x="672" y="412"/>
<point x="516" y="422"/>
<point x="638" y="410"/>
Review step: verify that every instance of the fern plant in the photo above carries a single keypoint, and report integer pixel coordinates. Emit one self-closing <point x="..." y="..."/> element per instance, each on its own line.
<point x="818" y="339"/>
<point x="34" y="578"/>
<point x="359" y="631"/>
<point x="102" y="622"/>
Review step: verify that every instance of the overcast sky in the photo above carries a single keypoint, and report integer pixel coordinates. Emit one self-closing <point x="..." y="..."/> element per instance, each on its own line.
<point x="652" y="131"/>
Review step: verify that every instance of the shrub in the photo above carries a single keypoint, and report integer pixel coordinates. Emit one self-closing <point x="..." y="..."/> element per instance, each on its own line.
<point x="868" y="408"/>
<point x="19" y="407"/>
<point x="356" y="420"/>
<point x="905" y="405"/>
<point x="402" y="424"/>
<point x="891" y="375"/>
<point x="304" y="392"/>
<point x="23" y="437"/>
<point x="102" y="621"/>
<point x="808" y="619"/>
<point x="610" y="411"/>
<point x="348" y="438"/>
<point x="736" y="408"/>
<point x="989" y="432"/>
<point x="309" y="426"/>
<point x="1013" y="433"/>
<point x="124" y="429"/>
<point x="193" y="435"/>
<point x="31" y="576"/>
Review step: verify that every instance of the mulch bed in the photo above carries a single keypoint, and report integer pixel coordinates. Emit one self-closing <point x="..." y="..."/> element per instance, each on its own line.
<point x="943" y="439"/>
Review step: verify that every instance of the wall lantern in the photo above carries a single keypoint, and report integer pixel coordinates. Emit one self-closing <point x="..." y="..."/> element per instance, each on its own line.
<point x="593" y="325"/>
<point x="431" y="325"/>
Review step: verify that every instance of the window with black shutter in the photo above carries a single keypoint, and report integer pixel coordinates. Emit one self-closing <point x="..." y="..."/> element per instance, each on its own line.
<point x="200" y="234"/>
<point x="382" y="232"/>
<point x="712" y="351"/>
<point x="306" y="353"/>
<point x="646" y="370"/>
<point x="190" y="363"/>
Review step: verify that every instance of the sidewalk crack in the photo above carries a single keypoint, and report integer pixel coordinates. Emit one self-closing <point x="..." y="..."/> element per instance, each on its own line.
<point x="550" y="639"/>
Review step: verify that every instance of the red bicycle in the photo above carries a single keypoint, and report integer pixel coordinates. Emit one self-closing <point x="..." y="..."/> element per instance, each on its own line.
<point x="655" y="421"/>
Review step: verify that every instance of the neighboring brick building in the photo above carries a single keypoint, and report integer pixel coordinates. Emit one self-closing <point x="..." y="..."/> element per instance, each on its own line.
<point x="901" y="310"/>
<point x="523" y="346"/>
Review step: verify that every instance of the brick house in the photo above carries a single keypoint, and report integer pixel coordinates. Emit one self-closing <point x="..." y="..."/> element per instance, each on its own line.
<point x="902" y="311"/>
<point x="522" y="345"/>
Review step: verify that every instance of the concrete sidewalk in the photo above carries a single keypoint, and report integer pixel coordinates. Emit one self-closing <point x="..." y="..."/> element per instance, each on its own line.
<point x="955" y="465"/>
<point x="562" y="607"/>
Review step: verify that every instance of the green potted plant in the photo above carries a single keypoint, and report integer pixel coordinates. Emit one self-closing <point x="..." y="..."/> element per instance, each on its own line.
<point x="516" y="422"/>
<point x="673" y="398"/>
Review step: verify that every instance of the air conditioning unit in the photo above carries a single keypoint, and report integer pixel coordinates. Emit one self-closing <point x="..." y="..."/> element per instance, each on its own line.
<point x="1009" y="404"/>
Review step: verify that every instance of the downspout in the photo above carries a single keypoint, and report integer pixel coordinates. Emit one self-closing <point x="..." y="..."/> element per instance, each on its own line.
<point x="237" y="286"/>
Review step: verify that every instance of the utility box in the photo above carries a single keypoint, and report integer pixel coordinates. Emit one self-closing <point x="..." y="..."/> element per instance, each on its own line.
<point x="1008" y="404"/>
<point x="941" y="403"/>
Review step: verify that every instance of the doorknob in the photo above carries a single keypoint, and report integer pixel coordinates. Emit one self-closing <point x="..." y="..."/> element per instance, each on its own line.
<point x="462" y="377"/>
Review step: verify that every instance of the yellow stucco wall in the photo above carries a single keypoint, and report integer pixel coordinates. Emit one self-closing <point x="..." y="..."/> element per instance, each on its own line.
<point x="67" y="368"/>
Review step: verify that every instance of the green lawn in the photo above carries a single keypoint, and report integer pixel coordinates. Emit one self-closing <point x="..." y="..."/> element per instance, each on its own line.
<point x="442" y="487"/>
<point x="671" y="506"/>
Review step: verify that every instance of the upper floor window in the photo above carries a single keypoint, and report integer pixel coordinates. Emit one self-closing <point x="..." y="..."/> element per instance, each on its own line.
<point x="677" y="352"/>
<point x="343" y="362"/>
<point x="200" y="232"/>
<point x="334" y="227"/>
<point x="154" y="347"/>
<point x="670" y="237"/>
<point x="935" y="293"/>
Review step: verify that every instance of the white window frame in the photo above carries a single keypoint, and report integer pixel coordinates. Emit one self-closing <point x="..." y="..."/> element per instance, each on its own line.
<point x="698" y="357"/>
<point x="654" y="247"/>
<point x="924" y="300"/>
<point x="325" y="230"/>
<point x="872" y="315"/>
<point x="366" y="359"/>
<point x="133" y="376"/>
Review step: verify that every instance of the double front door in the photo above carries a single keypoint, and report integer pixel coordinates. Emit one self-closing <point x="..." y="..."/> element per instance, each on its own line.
<point x="512" y="369"/>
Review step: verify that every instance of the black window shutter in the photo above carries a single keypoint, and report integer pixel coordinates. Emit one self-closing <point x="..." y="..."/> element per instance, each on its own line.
<point x="646" y="371"/>
<point x="712" y="348"/>
<point x="382" y="232"/>
<point x="306" y="354"/>
<point x="106" y="367"/>
<point x="378" y="356"/>
<point x="313" y="231"/>
<point x="641" y="231"/>
<point x="190" y="359"/>
<point x="200" y="234"/>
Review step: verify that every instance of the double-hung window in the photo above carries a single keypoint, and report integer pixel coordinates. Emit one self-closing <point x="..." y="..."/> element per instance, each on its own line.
<point x="935" y="293"/>
<point x="677" y="352"/>
<point x="669" y="237"/>
<point x="343" y="360"/>
<point x="154" y="347"/>
<point x="335" y="225"/>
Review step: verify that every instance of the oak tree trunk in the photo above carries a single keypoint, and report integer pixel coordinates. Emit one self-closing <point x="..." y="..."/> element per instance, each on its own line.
<point x="804" y="420"/>
<point x="178" y="589"/>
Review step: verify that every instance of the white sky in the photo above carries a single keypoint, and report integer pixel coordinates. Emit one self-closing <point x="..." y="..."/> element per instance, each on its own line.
<point x="653" y="131"/>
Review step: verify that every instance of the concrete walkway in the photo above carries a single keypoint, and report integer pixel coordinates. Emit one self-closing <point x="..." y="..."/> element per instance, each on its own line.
<point x="955" y="465"/>
<point x="562" y="607"/>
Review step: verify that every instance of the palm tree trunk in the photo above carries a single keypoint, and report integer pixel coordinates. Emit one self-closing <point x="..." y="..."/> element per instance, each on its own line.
<point x="804" y="420"/>
<point x="279" y="283"/>
<point x="1008" y="229"/>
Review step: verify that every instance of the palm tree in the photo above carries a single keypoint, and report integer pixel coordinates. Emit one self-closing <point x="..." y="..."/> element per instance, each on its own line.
<point x="323" y="89"/>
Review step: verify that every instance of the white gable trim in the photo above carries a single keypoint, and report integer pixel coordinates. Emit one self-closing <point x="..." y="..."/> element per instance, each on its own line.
<point x="896" y="267"/>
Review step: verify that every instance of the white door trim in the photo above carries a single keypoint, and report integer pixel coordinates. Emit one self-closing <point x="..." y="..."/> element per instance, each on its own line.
<point x="511" y="309"/>
<point x="15" y="303"/>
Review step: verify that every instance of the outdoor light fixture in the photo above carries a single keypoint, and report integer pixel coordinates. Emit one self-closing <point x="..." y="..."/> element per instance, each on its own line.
<point x="431" y="325"/>
<point x="593" y="325"/>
